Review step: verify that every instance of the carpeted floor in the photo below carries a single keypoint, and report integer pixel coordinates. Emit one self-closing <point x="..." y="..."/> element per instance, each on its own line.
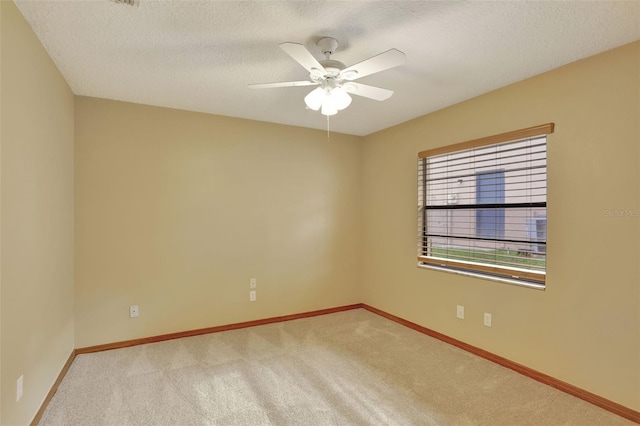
<point x="349" y="368"/>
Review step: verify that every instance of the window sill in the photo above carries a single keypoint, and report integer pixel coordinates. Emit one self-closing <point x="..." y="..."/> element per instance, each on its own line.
<point x="485" y="277"/>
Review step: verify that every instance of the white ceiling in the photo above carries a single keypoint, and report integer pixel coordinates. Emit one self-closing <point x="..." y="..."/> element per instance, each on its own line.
<point x="200" y="55"/>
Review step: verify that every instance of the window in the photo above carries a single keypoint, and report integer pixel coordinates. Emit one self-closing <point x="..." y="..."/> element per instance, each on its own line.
<point x="483" y="206"/>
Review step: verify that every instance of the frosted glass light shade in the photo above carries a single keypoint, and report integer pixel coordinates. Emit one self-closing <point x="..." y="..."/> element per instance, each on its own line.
<point x="328" y="108"/>
<point x="339" y="98"/>
<point x="315" y="97"/>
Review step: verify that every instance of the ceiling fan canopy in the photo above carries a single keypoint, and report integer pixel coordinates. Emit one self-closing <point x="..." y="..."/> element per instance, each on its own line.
<point x="334" y="79"/>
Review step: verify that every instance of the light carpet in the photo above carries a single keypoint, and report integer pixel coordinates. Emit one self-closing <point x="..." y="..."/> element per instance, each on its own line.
<point x="348" y="368"/>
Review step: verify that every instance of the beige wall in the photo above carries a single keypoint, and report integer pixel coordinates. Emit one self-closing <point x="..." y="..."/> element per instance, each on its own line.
<point x="584" y="328"/>
<point x="1" y="34"/>
<point x="36" y="219"/>
<point x="176" y="211"/>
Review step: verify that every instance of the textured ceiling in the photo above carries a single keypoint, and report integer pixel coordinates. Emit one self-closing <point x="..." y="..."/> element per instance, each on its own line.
<point x="200" y="55"/>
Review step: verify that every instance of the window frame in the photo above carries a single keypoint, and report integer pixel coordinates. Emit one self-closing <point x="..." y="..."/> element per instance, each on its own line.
<point x="527" y="277"/>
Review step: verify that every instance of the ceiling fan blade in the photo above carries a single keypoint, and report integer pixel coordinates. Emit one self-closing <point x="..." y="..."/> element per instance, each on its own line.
<point x="283" y="84"/>
<point x="302" y="56"/>
<point x="385" y="60"/>
<point x="371" y="92"/>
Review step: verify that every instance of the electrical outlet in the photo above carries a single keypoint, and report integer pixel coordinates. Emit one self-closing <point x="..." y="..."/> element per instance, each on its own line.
<point x="134" y="312"/>
<point x="460" y="312"/>
<point x="252" y="283"/>
<point x="252" y="296"/>
<point x="487" y="319"/>
<point x="19" y="388"/>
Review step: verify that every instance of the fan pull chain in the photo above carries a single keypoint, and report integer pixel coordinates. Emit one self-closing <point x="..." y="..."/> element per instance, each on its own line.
<point x="327" y="127"/>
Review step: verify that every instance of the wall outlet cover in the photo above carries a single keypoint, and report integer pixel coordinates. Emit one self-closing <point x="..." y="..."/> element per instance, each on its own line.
<point x="134" y="312"/>
<point x="487" y="319"/>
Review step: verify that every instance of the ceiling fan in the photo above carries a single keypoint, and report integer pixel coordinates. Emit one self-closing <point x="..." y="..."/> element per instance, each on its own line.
<point x="334" y="79"/>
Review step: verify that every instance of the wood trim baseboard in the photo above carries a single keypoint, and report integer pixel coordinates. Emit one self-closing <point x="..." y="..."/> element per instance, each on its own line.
<point x="216" y="329"/>
<point x="53" y="389"/>
<point x="178" y="335"/>
<point x="568" y="388"/>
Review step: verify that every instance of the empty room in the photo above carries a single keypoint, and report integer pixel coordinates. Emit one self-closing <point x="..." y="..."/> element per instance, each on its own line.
<point x="319" y="212"/>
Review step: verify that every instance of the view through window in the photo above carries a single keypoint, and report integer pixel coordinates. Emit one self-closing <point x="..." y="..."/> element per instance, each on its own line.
<point x="483" y="206"/>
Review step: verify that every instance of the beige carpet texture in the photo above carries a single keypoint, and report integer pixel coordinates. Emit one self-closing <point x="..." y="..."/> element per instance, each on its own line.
<point x="347" y="368"/>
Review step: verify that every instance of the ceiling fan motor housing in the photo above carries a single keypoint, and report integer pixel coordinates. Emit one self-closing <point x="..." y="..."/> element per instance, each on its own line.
<point x="328" y="45"/>
<point x="333" y="67"/>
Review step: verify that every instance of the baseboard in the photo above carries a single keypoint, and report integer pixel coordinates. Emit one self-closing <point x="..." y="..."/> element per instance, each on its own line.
<point x="178" y="335"/>
<point x="217" y="329"/>
<point x="53" y="389"/>
<point x="568" y="388"/>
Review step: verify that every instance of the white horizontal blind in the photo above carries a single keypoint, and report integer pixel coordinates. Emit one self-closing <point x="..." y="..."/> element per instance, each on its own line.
<point x="483" y="209"/>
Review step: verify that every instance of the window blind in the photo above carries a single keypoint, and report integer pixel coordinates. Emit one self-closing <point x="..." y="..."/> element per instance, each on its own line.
<point x="482" y="205"/>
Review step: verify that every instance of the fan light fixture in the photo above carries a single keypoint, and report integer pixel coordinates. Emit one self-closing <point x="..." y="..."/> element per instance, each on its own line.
<point x="329" y="98"/>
